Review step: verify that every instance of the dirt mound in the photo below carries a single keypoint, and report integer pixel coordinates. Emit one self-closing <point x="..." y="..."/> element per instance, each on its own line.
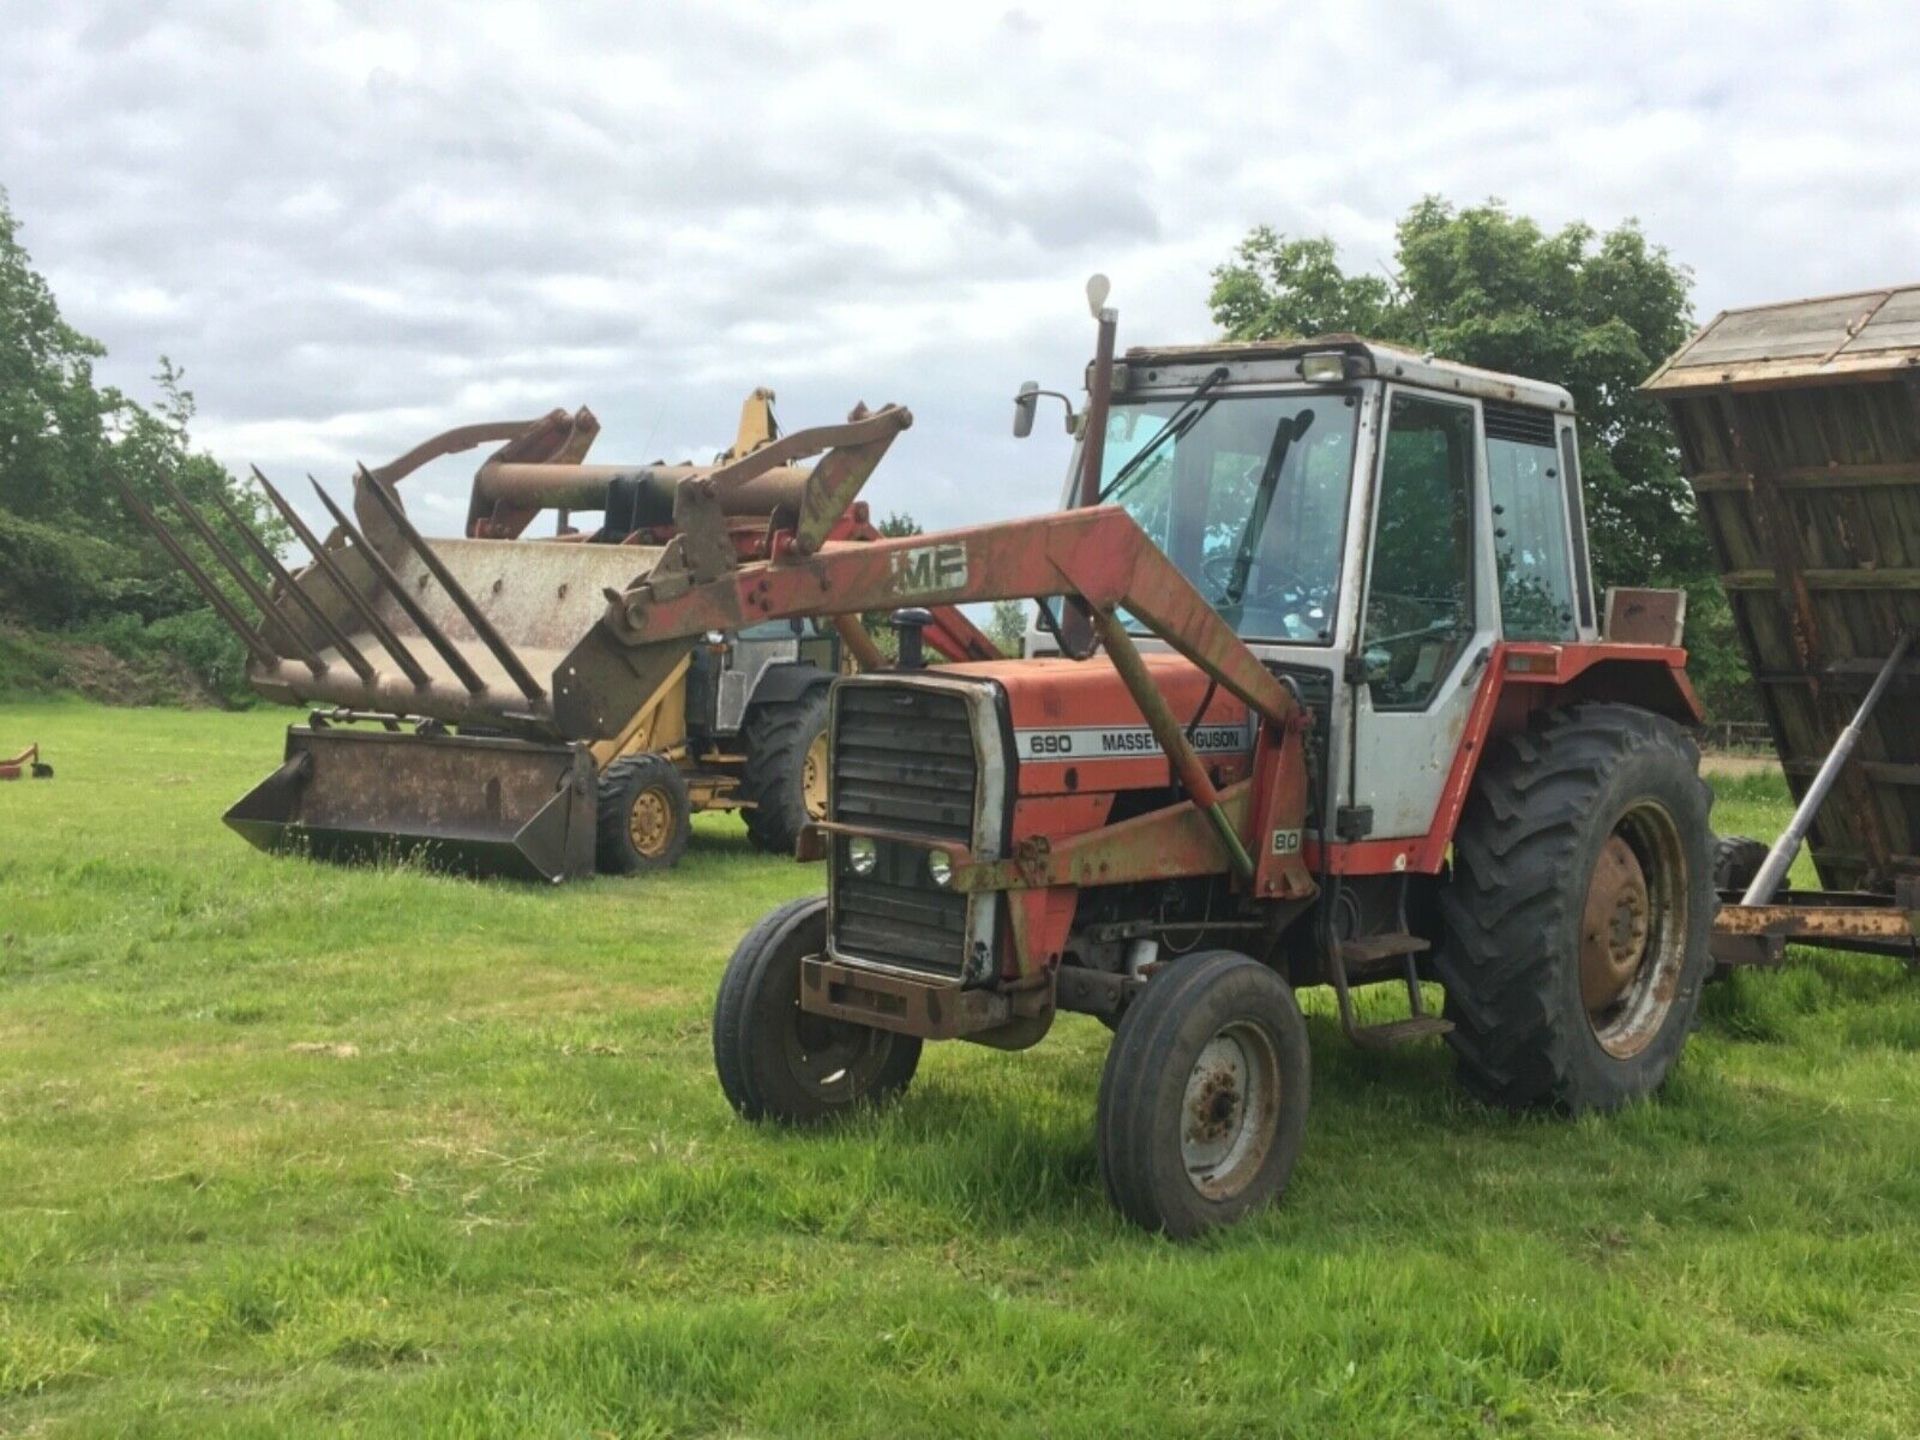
<point x="43" y="663"/>
<point x="97" y="673"/>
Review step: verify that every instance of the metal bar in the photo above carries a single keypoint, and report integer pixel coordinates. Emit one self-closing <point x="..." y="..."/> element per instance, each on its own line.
<point x="435" y="637"/>
<point x="450" y="442"/>
<point x="509" y="661"/>
<point x="1907" y="578"/>
<point x="257" y="647"/>
<point x="1780" y="857"/>
<point x="860" y="645"/>
<point x="348" y="650"/>
<point x="1173" y="739"/>
<point x="1814" y="922"/>
<point x="254" y="592"/>
<point x="839" y="477"/>
<point x="323" y="557"/>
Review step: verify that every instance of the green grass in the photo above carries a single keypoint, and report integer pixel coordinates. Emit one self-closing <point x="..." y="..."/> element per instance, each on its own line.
<point x="288" y="1149"/>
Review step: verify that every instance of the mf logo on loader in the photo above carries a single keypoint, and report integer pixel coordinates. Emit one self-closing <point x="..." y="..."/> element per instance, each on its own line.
<point x="929" y="569"/>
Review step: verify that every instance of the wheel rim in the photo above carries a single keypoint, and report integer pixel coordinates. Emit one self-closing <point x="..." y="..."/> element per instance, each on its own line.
<point x="1633" y="930"/>
<point x="813" y="778"/>
<point x="650" y="823"/>
<point x="1230" y="1109"/>
<point x="835" y="1061"/>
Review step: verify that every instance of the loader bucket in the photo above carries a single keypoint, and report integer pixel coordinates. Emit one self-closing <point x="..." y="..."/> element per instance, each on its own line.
<point x="477" y="804"/>
<point x="505" y="640"/>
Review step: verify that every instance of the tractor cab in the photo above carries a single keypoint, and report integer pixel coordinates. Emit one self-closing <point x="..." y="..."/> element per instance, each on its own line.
<point x="1370" y="522"/>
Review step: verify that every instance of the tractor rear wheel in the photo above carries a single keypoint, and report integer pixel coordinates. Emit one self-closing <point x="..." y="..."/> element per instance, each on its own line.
<point x="1203" y="1103"/>
<point x="1578" y="912"/>
<point x="643" y="816"/>
<point x="778" y="1062"/>
<point x="785" y="777"/>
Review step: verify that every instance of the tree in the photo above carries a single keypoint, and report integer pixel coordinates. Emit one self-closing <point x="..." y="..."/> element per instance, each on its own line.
<point x="1595" y="312"/>
<point x="71" y="557"/>
<point x="1007" y="626"/>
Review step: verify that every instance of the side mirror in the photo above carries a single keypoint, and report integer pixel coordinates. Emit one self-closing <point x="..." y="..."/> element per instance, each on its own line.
<point x="1024" y="404"/>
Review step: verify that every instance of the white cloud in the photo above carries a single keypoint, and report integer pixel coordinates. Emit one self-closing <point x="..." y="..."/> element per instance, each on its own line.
<point x="355" y="224"/>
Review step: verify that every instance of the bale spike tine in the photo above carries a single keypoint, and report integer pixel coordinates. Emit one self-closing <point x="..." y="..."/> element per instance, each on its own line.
<point x="303" y="652"/>
<point x="349" y="652"/>
<point x="475" y="617"/>
<point x="435" y="636"/>
<point x="382" y="632"/>
<point x="222" y="606"/>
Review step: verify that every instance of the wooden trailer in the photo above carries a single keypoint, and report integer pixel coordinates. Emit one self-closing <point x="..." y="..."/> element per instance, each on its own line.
<point x="1799" y="428"/>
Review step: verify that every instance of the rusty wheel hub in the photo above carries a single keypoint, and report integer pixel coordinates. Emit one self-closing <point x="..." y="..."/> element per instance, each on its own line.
<point x="1613" y="929"/>
<point x="650" y="822"/>
<point x="1230" y="1108"/>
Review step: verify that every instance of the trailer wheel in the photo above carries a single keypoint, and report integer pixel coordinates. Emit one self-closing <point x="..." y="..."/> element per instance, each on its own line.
<point x="1736" y="860"/>
<point x="643" y="816"/>
<point x="776" y="1061"/>
<point x="1578" y="912"/>
<point x="1203" y="1103"/>
<point x="785" y="776"/>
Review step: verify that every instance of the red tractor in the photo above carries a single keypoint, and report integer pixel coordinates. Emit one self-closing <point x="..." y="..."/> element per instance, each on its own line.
<point x="1328" y="703"/>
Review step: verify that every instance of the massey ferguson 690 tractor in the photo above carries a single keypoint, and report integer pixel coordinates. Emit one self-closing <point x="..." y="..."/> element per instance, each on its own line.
<point x="1330" y="705"/>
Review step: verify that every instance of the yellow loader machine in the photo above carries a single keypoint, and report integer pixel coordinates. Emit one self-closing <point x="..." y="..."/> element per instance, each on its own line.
<point x="448" y="718"/>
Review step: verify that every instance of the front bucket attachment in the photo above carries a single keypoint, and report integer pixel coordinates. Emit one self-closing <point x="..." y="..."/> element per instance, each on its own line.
<point x="481" y="805"/>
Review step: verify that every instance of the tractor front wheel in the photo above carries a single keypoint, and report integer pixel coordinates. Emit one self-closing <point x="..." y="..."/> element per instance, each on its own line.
<point x="781" y="1063"/>
<point x="785" y="776"/>
<point x="1578" y="912"/>
<point x="1203" y="1104"/>
<point x="643" y="816"/>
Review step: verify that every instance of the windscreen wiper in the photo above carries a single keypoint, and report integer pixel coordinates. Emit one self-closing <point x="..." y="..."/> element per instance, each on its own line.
<point x="1284" y="435"/>
<point x="1183" y="419"/>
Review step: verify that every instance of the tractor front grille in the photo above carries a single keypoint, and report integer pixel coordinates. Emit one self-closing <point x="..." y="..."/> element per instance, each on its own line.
<point x="903" y="760"/>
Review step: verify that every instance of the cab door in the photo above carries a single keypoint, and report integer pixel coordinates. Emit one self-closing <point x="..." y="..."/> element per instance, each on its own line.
<point x="1429" y="616"/>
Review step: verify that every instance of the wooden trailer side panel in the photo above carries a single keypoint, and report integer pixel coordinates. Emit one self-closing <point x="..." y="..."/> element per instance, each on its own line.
<point x="1799" y="429"/>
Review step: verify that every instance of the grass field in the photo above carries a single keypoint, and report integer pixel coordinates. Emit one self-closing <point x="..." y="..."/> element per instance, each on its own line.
<point x="286" y="1149"/>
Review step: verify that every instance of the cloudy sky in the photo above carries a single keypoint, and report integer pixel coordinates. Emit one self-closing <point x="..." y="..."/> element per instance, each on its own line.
<point x="355" y="224"/>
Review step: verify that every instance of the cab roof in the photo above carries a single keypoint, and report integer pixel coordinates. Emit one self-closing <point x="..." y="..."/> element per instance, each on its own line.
<point x="1256" y="361"/>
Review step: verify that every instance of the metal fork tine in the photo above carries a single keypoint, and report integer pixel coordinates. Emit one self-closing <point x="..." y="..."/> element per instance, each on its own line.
<point x="436" y="637"/>
<point x="262" y="601"/>
<point x="390" y="642"/>
<point x="482" y="627"/>
<point x="336" y="636"/>
<point x="257" y="647"/>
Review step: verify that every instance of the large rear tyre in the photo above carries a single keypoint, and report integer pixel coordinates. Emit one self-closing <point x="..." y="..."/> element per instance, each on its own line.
<point x="785" y="776"/>
<point x="1203" y="1103"/>
<point x="777" y="1062"/>
<point x="643" y="817"/>
<point x="1579" y="910"/>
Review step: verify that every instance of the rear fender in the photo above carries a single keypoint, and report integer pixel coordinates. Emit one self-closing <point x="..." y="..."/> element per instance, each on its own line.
<point x="784" y="683"/>
<point x="1523" y="678"/>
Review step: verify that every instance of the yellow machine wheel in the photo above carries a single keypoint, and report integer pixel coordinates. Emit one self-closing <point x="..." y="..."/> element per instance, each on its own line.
<point x="784" y="780"/>
<point x="644" y="816"/>
<point x="813" y="778"/>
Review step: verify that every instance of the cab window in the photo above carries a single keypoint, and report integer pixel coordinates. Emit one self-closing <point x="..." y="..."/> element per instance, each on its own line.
<point x="1530" y="537"/>
<point x="1419" y="614"/>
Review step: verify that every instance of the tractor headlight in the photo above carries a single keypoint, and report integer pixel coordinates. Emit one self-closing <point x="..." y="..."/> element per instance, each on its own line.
<point x="940" y="868"/>
<point x="1324" y="367"/>
<point x="862" y="855"/>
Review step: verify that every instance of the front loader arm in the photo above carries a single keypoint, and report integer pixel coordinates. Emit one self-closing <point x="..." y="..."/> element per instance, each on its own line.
<point x="1100" y="555"/>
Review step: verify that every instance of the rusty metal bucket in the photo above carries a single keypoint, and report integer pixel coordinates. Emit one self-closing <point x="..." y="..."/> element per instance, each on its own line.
<point x="480" y="804"/>
<point x="499" y="637"/>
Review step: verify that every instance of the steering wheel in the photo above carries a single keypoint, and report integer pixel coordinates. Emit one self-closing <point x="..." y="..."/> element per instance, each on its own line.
<point x="1217" y="570"/>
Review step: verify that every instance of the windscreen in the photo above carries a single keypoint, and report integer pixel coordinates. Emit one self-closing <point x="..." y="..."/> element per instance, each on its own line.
<point x="1247" y="494"/>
